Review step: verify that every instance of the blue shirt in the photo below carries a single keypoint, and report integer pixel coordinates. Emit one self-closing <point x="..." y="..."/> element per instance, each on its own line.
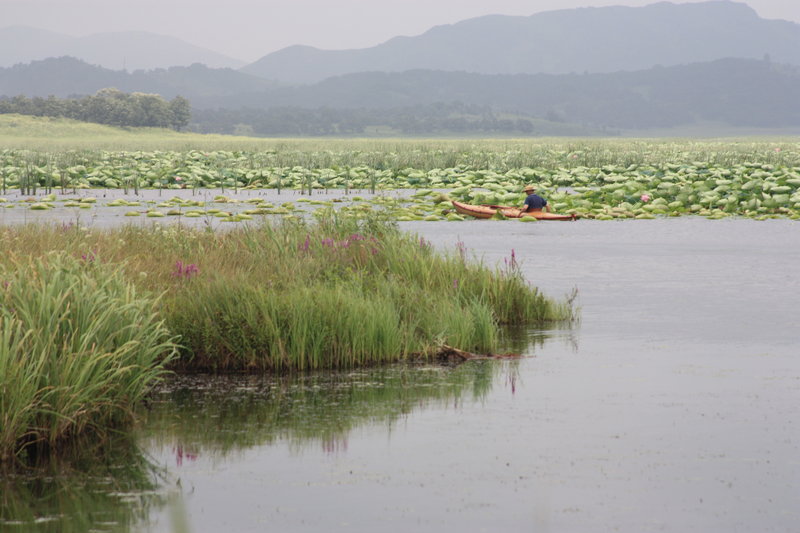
<point x="534" y="201"/>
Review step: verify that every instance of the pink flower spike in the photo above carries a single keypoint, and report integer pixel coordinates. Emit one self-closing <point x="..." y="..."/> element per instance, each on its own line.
<point x="645" y="198"/>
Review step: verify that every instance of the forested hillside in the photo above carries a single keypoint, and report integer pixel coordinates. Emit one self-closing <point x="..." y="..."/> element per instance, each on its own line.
<point x="108" y="106"/>
<point x="732" y="92"/>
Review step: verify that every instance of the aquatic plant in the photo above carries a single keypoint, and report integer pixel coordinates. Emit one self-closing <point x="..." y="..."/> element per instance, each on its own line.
<point x="340" y="292"/>
<point x="595" y="178"/>
<point x="79" y="345"/>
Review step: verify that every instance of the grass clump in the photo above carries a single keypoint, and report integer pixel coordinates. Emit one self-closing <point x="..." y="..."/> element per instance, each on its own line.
<point x="294" y="295"/>
<point x="343" y="293"/>
<point x="79" y="345"/>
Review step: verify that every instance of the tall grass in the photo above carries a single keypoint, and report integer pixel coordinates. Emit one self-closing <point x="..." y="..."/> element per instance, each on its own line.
<point x="79" y="345"/>
<point x="338" y="293"/>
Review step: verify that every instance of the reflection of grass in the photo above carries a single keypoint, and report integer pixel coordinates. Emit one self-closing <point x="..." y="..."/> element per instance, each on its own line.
<point x="218" y="415"/>
<point x="108" y="487"/>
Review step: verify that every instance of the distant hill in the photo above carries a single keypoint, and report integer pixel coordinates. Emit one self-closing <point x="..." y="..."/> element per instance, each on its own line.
<point x="129" y="50"/>
<point x="736" y="92"/>
<point x="67" y="76"/>
<point x="594" y="40"/>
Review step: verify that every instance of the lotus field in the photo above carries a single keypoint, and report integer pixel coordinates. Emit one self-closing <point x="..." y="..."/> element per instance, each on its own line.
<point x="416" y="181"/>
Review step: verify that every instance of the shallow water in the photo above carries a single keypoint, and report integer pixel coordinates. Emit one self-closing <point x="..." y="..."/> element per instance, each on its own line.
<point x="672" y="406"/>
<point x="100" y="215"/>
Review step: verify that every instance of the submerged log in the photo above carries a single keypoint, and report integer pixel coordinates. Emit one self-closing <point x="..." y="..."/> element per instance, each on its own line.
<point x="448" y="352"/>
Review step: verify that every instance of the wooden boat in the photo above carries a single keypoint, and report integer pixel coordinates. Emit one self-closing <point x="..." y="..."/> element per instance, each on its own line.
<point x="488" y="211"/>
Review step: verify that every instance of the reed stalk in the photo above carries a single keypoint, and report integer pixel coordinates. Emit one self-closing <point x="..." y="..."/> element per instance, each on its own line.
<point x="294" y="295"/>
<point x="79" y="345"/>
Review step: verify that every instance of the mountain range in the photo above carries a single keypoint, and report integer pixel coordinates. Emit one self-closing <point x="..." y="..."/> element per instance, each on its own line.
<point x="68" y="76"/>
<point x="659" y="66"/>
<point x="593" y="40"/>
<point x="738" y="92"/>
<point x="130" y="50"/>
<point x="604" y="39"/>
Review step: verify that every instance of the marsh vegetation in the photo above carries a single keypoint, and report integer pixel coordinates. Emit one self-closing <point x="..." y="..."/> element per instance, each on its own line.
<point x="92" y="318"/>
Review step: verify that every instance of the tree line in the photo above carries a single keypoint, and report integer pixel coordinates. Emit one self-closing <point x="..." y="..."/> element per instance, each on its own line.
<point x="116" y="108"/>
<point x="108" y="106"/>
<point x="439" y="118"/>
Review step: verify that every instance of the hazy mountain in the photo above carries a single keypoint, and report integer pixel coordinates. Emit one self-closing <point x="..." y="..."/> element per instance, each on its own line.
<point x="119" y="50"/>
<point x="603" y="39"/>
<point x="66" y="76"/>
<point x="737" y="92"/>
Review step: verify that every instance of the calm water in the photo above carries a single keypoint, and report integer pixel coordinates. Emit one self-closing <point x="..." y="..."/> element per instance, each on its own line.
<point x="673" y="406"/>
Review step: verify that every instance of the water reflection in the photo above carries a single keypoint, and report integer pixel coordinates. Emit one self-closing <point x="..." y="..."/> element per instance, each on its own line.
<point x="121" y="486"/>
<point x="216" y="415"/>
<point x="112" y="487"/>
<point x="526" y="340"/>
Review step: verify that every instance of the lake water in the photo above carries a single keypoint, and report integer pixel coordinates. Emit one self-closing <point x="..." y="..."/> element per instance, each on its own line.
<point x="673" y="406"/>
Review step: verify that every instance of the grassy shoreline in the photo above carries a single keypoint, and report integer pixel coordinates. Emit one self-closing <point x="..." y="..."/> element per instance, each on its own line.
<point x="339" y="293"/>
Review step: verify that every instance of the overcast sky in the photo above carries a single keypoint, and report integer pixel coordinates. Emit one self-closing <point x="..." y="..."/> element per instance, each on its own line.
<point x="250" y="29"/>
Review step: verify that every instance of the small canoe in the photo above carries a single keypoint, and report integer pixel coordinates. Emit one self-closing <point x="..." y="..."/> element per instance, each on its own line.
<point x="488" y="211"/>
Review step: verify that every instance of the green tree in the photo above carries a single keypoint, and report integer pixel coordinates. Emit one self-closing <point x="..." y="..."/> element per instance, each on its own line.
<point x="151" y="111"/>
<point x="181" y="111"/>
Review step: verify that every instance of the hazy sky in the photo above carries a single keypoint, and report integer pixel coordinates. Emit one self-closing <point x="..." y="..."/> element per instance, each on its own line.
<point x="250" y="29"/>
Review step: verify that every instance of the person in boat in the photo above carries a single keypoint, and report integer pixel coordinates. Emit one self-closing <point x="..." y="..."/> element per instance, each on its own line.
<point x="534" y="202"/>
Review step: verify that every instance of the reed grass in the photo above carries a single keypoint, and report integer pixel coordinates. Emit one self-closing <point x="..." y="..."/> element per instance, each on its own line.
<point x="338" y="293"/>
<point x="343" y="293"/>
<point x="79" y="345"/>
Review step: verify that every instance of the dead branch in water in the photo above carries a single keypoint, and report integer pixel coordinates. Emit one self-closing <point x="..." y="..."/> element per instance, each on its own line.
<point x="448" y="352"/>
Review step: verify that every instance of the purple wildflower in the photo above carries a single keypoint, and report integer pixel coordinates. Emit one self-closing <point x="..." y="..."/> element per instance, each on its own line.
<point x="185" y="270"/>
<point x="462" y="250"/>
